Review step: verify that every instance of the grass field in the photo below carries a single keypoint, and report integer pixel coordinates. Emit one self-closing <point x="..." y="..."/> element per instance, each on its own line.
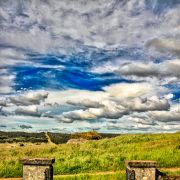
<point x="94" y="156"/>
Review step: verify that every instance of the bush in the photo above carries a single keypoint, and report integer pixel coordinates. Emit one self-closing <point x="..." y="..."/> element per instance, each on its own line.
<point x="92" y="135"/>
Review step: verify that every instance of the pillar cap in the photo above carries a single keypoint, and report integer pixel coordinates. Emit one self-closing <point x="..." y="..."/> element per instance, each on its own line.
<point x="38" y="161"/>
<point x="141" y="164"/>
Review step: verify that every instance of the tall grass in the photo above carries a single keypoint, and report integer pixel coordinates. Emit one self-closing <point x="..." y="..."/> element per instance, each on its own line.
<point x="94" y="156"/>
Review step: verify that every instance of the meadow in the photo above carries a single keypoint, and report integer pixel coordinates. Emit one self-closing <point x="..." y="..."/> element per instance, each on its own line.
<point x="94" y="155"/>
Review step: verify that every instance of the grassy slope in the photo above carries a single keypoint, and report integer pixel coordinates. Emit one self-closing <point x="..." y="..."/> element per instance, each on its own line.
<point x="93" y="156"/>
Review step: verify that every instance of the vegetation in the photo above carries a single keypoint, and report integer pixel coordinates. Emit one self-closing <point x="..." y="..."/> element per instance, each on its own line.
<point x="94" y="156"/>
<point x="92" y="135"/>
<point x="110" y="176"/>
<point x="12" y="137"/>
<point x="59" y="138"/>
<point x="105" y="176"/>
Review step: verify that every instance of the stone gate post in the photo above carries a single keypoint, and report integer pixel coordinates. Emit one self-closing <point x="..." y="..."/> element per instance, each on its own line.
<point x="38" y="169"/>
<point x="141" y="170"/>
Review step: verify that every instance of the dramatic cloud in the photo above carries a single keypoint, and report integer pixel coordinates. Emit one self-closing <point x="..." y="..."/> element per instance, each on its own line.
<point x="78" y="65"/>
<point x="173" y="67"/>
<point x="86" y="103"/>
<point x="29" y="98"/>
<point x="32" y="41"/>
<point x="109" y="111"/>
<point x="139" y="69"/>
<point x="6" y="80"/>
<point x="144" y="104"/>
<point x="25" y="126"/>
<point x="77" y="115"/>
<point x="28" y="111"/>
<point x="116" y="109"/>
<point x="3" y="102"/>
<point x="120" y="100"/>
<point x="128" y="90"/>
<point x="159" y="70"/>
<point x="38" y="25"/>
<point x="165" y="116"/>
<point x="11" y="57"/>
<point x="165" y="45"/>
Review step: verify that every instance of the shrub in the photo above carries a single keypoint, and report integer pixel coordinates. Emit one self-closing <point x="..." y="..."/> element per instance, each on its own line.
<point x="92" y="135"/>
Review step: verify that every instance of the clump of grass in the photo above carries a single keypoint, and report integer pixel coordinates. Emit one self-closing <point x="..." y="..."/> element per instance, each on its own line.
<point x="94" y="156"/>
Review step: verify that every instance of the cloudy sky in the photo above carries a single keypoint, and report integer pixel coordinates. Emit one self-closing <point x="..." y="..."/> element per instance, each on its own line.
<point x="78" y="65"/>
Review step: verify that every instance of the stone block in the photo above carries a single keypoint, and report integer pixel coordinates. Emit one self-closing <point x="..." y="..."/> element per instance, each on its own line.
<point x="38" y="169"/>
<point x="141" y="170"/>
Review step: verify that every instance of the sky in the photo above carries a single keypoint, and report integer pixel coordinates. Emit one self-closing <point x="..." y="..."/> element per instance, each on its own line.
<point x="81" y="65"/>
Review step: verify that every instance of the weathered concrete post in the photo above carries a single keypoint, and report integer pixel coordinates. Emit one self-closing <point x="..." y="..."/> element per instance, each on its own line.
<point x="38" y="169"/>
<point x="141" y="170"/>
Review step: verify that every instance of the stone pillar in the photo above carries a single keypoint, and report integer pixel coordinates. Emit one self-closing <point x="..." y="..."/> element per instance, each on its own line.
<point x="38" y="169"/>
<point x="141" y="170"/>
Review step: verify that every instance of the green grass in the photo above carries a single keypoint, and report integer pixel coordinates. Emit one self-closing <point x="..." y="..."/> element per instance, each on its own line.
<point x="117" y="176"/>
<point x="94" y="156"/>
<point x="174" y="173"/>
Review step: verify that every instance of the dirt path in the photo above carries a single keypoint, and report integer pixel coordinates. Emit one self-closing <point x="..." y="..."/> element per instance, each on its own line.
<point x="72" y="175"/>
<point x="91" y="174"/>
<point x="49" y="139"/>
<point x="175" y="169"/>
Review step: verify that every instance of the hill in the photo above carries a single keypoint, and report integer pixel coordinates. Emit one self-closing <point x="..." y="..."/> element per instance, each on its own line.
<point x="94" y="155"/>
